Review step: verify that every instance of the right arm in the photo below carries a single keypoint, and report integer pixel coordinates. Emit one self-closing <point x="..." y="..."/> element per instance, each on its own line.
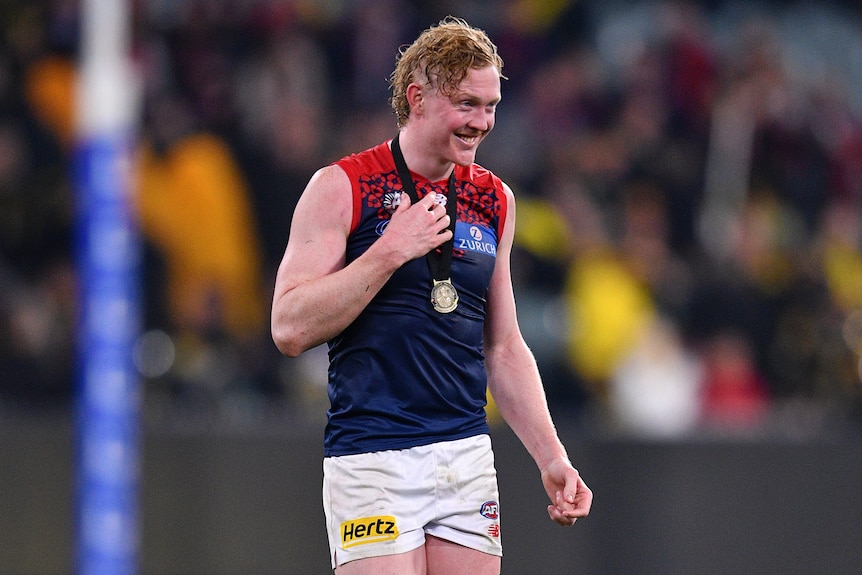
<point x="316" y="295"/>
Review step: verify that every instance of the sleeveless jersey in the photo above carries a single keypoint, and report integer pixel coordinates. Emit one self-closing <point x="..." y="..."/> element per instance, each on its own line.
<point x="403" y="374"/>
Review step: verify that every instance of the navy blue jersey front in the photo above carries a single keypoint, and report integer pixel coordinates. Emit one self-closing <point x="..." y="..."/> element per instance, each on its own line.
<point x="403" y="374"/>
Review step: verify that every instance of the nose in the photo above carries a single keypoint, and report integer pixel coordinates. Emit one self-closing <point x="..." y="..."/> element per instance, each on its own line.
<point x="482" y="119"/>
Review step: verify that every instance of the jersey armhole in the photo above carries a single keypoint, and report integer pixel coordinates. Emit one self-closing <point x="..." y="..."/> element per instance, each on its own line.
<point x="504" y="207"/>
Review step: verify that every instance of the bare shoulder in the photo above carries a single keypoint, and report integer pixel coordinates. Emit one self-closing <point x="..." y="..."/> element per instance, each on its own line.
<point x="320" y="226"/>
<point x="329" y="188"/>
<point x="330" y="176"/>
<point x="326" y="205"/>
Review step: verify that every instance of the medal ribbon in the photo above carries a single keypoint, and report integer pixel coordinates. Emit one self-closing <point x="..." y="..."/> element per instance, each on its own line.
<point x="440" y="259"/>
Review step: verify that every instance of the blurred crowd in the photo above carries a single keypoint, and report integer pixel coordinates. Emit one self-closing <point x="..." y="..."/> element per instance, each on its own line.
<point x="688" y="174"/>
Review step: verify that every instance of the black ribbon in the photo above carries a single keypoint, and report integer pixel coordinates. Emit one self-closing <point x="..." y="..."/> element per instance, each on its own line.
<point x="440" y="259"/>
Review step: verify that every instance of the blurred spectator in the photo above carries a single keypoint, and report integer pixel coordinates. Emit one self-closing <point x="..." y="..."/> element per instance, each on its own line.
<point x="735" y="395"/>
<point x="37" y="279"/>
<point x="689" y="173"/>
<point x="50" y="90"/>
<point x="194" y="207"/>
<point x="609" y="309"/>
<point x="37" y="329"/>
<point x="196" y="212"/>
<point x="281" y="90"/>
<point x="655" y="389"/>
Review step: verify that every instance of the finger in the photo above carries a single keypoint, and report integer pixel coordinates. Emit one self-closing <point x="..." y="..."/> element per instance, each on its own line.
<point x="570" y="508"/>
<point x="403" y="203"/>
<point x="428" y="201"/>
<point x="555" y="514"/>
<point x="561" y="507"/>
<point x="561" y="518"/>
<point x="439" y="210"/>
<point x="444" y="222"/>
<point x="583" y="500"/>
<point x="564" y="503"/>
<point x="444" y="235"/>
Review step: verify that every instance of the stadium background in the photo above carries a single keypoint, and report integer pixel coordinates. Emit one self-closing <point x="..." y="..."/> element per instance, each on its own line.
<point x="689" y="273"/>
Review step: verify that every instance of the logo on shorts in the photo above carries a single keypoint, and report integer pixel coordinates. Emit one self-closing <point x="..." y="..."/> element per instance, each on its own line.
<point x="368" y="530"/>
<point x="490" y="510"/>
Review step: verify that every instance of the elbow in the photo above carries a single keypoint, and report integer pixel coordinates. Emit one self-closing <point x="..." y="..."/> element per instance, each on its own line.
<point x="288" y="341"/>
<point x="292" y="332"/>
<point x="285" y="347"/>
<point x="285" y="331"/>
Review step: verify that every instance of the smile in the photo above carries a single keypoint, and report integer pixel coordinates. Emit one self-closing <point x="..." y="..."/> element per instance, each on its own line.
<point x="470" y="140"/>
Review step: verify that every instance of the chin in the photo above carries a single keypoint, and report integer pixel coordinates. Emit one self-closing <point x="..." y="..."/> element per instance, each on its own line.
<point x="464" y="157"/>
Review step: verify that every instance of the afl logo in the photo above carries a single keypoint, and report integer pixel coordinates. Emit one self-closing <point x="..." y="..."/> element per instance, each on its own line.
<point x="490" y="510"/>
<point x="476" y="233"/>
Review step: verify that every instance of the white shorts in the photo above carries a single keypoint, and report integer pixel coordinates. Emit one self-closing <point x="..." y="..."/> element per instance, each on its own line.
<point x="384" y="503"/>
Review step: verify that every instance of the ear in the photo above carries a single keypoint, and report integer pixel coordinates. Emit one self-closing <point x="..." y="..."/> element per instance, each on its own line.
<point x="415" y="96"/>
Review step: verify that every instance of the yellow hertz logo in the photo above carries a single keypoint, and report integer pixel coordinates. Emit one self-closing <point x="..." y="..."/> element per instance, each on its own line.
<point x="368" y="530"/>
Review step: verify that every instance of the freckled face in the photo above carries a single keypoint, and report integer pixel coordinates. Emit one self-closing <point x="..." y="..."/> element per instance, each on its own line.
<point x="457" y="123"/>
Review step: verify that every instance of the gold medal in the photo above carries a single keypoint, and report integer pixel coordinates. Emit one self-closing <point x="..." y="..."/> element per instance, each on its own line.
<point x="444" y="296"/>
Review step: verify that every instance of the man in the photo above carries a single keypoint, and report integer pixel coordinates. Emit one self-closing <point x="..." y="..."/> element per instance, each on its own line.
<point x="420" y="317"/>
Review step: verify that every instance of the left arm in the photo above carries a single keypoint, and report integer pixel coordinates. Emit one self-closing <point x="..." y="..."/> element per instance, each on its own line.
<point x="515" y="383"/>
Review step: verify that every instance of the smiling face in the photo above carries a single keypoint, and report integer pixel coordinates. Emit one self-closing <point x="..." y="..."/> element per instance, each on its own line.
<point x="451" y="125"/>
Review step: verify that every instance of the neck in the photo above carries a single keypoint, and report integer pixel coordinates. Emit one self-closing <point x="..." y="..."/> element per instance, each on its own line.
<point x="420" y="161"/>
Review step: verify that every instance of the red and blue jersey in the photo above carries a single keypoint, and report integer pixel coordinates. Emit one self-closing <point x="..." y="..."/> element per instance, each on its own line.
<point x="403" y="374"/>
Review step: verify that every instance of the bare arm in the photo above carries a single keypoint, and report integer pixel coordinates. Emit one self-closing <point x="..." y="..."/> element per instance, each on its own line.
<point x="515" y="383"/>
<point x="316" y="295"/>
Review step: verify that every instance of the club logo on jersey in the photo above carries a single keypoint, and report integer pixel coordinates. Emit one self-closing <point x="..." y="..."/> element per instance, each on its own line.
<point x="368" y="530"/>
<point x="490" y="510"/>
<point x="391" y="201"/>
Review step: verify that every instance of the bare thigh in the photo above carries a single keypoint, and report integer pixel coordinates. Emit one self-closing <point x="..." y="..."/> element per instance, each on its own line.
<point x="436" y="557"/>
<point x="447" y="558"/>
<point x="409" y="563"/>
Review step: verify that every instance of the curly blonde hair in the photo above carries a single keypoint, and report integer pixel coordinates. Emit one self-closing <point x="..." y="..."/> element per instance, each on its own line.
<point x="442" y="56"/>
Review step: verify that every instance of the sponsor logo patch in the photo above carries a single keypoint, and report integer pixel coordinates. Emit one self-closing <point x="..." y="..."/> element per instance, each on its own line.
<point x="490" y="510"/>
<point x="475" y="240"/>
<point x="368" y="530"/>
<point x="494" y="530"/>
